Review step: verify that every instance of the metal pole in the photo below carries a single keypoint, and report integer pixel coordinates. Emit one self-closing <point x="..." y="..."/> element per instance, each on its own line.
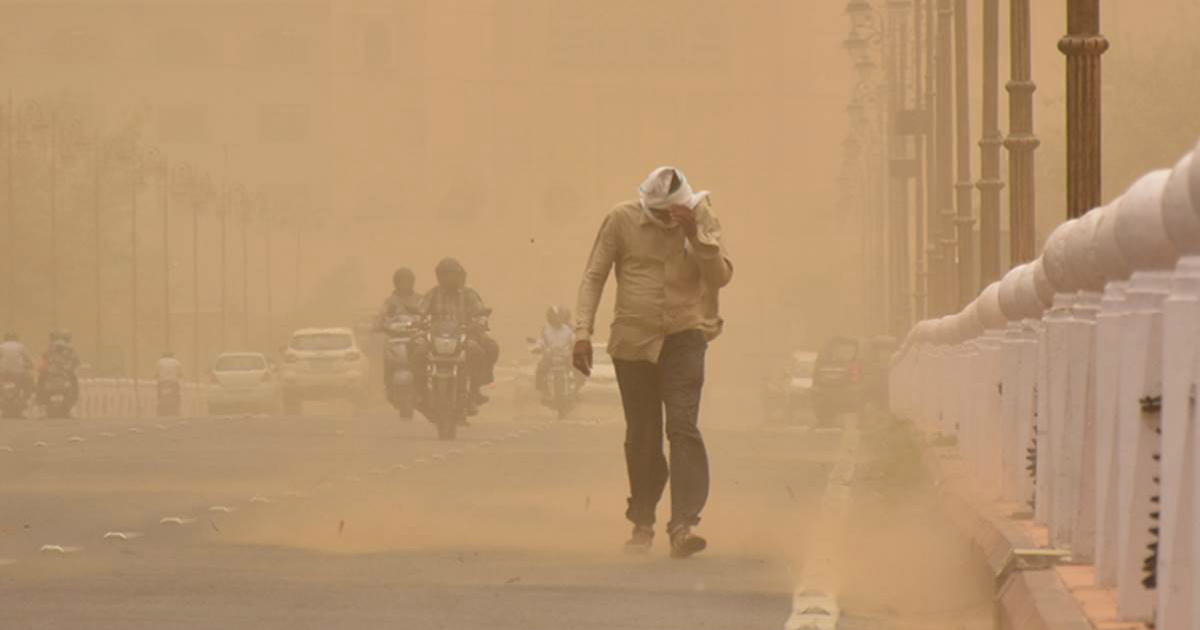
<point x="933" y="255"/>
<point x="245" y="275"/>
<point x="1083" y="45"/>
<point x="920" y="292"/>
<point x="196" y="290"/>
<point x="54" y="218"/>
<point x="97" y="253"/>
<point x="166" y="251"/>
<point x="224" y="202"/>
<point x="133" y="278"/>
<point x="945" y="152"/>
<point x="1021" y="142"/>
<point x="900" y="267"/>
<point x="965" y="220"/>
<point x="269" y="275"/>
<point x="224" y="261"/>
<point x="989" y="183"/>
<point x="10" y="231"/>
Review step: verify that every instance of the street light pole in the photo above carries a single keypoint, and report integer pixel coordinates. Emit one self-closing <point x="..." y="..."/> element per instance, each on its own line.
<point x="1021" y="142"/>
<point x="920" y="141"/>
<point x="1083" y="45"/>
<point x="945" y="152"/>
<point x="53" y="139"/>
<point x="166" y="251"/>
<point x="965" y="220"/>
<point x="10" y="229"/>
<point x="989" y="183"/>
<point x="933" y="264"/>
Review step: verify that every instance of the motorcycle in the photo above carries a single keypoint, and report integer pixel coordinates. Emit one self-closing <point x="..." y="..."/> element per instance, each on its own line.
<point x="13" y="399"/>
<point x="55" y="395"/>
<point x="169" y="398"/>
<point x="561" y="384"/>
<point x="449" y="401"/>
<point x="401" y="330"/>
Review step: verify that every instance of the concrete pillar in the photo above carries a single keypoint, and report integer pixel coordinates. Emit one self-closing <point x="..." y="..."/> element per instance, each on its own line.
<point x="1181" y="378"/>
<point x="1142" y="238"/>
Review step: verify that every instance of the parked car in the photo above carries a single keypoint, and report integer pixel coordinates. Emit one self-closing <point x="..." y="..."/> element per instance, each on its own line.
<point x="850" y="374"/>
<point x="323" y="363"/>
<point x="789" y="388"/>
<point x="243" y="381"/>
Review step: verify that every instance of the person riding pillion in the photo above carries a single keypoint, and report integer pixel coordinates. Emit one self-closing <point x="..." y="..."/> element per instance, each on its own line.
<point x="404" y="300"/>
<point x="557" y="335"/>
<point x="670" y="263"/>
<point x="62" y="359"/>
<point x="15" y="363"/>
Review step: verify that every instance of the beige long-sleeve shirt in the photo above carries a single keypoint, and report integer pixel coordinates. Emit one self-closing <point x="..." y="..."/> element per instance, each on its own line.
<point x="666" y="283"/>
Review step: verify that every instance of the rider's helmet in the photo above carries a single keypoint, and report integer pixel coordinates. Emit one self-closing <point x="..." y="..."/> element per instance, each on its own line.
<point x="11" y="336"/>
<point x="168" y="354"/>
<point x="403" y="280"/>
<point x="450" y="274"/>
<point x="65" y="335"/>
<point x="55" y="336"/>
<point x="555" y="316"/>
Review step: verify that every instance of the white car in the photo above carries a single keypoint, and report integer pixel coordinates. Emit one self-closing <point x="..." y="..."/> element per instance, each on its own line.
<point x="321" y="363"/>
<point x="813" y="609"/>
<point x="243" y="381"/>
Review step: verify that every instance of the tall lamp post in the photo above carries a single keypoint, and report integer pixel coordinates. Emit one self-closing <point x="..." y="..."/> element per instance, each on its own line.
<point x="989" y="183"/>
<point x="1021" y="142"/>
<point x="1083" y="45"/>
<point x="964" y="187"/>
<point x="869" y="117"/>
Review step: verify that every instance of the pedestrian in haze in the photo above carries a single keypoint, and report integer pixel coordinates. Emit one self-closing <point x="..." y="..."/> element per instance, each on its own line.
<point x="670" y="265"/>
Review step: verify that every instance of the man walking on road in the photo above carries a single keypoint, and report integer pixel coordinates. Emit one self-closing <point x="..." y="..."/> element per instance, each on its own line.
<point x="670" y="264"/>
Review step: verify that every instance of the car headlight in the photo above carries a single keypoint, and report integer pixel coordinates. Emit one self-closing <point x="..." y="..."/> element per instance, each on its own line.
<point x="445" y="345"/>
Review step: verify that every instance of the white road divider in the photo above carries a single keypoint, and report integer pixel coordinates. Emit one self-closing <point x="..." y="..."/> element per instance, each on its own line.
<point x="1070" y="387"/>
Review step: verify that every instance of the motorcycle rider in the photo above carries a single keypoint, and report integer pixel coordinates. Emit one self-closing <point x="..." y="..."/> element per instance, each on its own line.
<point x="404" y="300"/>
<point x="61" y="358"/>
<point x="453" y="299"/>
<point x="168" y="369"/>
<point x="556" y="335"/>
<point x="168" y="372"/>
<point x="15" y="363"/>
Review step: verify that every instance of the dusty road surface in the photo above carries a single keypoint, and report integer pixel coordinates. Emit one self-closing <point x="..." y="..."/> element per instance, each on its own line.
<point x="337" y="521"/>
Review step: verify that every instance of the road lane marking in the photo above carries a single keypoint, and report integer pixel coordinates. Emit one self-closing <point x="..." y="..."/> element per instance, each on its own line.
<point x="122" y="535"/>
<point x="60" y="549"/>
<point x="176" y="520"/>
<point x="40" y="445"/>
<point x="75" y="439"/>
<point x="260" y="500"/>
<point x="222" y="509"/>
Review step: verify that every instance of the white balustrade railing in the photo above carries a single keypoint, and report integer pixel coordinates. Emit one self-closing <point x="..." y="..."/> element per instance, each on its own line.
<point x="123" y="397"/>
<point x="1070" y="386"/>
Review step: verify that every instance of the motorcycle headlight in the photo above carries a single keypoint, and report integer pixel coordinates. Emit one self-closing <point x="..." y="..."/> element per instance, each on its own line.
<point x="445" y="345"/>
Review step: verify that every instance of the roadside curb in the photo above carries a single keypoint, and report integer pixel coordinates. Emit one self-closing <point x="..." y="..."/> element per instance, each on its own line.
<point x="1026" y="597"/>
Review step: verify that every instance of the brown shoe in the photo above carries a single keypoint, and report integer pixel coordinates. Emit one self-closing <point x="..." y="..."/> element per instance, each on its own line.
<point x="641" y="540"/>
<point x="685" y="544"/>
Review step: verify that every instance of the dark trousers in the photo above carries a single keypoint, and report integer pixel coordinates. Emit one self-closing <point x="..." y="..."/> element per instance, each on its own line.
<point x="647" y="390"/>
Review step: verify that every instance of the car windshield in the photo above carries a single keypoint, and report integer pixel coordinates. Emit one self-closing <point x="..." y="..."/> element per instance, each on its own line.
<point x="240" y="363"/>
<point x="802" y="370"/>
<point x="322" y="341"/>
<point x="840" y="351"/>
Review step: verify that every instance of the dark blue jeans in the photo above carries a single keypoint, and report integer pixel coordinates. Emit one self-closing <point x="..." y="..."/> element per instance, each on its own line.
<point x="648" y="389"/>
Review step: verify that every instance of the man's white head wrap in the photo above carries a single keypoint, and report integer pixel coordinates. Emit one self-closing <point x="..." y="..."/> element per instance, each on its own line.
<point x="655" y="191"/>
